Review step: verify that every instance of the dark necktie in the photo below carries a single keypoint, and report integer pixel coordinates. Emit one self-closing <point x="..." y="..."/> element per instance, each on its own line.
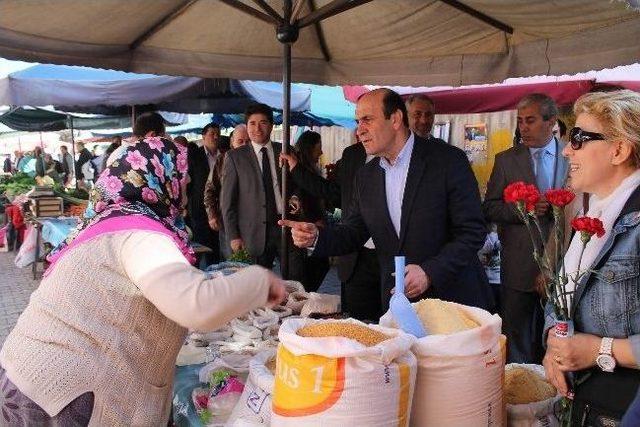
<point x="267" y="181"/>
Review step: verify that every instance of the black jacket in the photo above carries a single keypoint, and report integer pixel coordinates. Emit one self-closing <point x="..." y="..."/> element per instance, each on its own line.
<point x="442" y="227"/>
<point x="198" y="173"/>
<point x="337" y="193"/>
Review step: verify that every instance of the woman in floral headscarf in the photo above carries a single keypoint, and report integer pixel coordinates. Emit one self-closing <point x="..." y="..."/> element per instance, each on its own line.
<point x="98" y="341"/>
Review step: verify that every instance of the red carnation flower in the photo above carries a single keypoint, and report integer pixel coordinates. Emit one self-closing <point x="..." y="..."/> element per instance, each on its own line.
<point x="588" y="227"/>
<point x="521" y="192"/>
<point x="512" y="191"/>
<point x="559" y="197"/>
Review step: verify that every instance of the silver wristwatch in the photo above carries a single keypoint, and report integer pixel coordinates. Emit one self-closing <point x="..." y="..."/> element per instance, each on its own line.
<point x="605" y="360"/>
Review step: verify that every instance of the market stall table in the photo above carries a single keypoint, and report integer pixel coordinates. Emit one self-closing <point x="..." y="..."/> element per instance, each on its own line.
<point x="50" y="230"/>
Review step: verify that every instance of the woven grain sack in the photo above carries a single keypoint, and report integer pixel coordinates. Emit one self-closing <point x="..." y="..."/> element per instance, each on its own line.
<point x="254" y="406"/>
<point x="339" y="381"/>
<point x="459" y="380"/>
<point x="537" y="413"/>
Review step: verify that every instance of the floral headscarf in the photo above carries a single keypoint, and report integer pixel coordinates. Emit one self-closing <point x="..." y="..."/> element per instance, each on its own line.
<point x="147" y="181"/>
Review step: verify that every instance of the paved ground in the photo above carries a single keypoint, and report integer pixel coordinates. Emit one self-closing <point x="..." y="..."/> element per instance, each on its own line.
<point x="16" y="286"/>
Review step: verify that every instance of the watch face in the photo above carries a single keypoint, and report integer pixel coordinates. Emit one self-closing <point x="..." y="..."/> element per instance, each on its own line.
<point x="606" y="362"/>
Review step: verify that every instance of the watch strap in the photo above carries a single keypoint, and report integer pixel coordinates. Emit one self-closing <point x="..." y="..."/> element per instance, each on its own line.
<point x="606" y="346"/>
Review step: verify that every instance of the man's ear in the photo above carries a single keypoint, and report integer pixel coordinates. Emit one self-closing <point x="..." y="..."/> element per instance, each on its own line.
<point x="396" y="119"/>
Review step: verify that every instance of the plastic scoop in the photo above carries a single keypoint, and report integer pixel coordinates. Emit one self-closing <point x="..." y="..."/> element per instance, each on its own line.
<point x="404" y="315"/>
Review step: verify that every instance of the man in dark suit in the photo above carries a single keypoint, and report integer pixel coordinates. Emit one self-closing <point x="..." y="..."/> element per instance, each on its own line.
<point x="421" y="111"/>
<point x="415" y="199"/>
<point x="359" y="272"/>
<point x="537" y="160"/>
<point x="201" y="161"/>
<point x="251" y="200"/>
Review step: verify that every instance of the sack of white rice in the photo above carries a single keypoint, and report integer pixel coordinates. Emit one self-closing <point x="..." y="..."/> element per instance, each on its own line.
<point x="254" y="406"/>
<point x="342" y="372"/>
<point x="460" y="366"/>
<point x="530" y="399"/>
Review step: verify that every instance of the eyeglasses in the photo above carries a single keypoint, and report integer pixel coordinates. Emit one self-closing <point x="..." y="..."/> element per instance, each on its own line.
<point x="578" y="137"/>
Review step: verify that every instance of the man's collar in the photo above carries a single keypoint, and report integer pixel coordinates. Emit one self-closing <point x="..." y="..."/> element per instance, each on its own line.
<point x="549" y="148"/>
<point x="209" y="153"/>
<point x="405" y="152"/>
<point x="257" y="147"/>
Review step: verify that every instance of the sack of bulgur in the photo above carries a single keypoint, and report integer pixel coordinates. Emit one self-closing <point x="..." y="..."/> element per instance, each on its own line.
<point x="530" y="399"/>
<point x="254" y="406"/>
<point x="342" y="372"/>
<point x="460" y="366"/>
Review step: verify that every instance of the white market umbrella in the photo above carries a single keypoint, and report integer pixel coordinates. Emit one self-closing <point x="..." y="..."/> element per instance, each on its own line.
<point x="406" y="42"/>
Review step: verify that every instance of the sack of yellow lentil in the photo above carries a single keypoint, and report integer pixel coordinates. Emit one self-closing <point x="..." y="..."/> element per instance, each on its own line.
<point x="342" y="372"/>
<point x="530" y="398"/>
<point x="460" y="366"/>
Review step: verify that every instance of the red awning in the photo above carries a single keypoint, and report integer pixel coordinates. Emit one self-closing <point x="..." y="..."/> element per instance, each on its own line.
<point x="495" y="98"/>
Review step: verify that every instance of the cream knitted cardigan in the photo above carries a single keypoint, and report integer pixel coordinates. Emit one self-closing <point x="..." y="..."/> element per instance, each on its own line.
<point x="110" y="319"/>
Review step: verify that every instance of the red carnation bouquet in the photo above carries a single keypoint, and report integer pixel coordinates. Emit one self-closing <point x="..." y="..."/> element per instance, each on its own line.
<point x="525" y="197"/>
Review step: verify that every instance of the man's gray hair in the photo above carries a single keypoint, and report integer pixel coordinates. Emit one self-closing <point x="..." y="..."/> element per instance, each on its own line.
<point x="547" y="105"/>
<point x="419" y="96"/>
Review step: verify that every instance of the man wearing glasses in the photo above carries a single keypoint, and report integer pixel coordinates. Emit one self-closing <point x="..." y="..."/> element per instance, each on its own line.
<point x="538" y="160"/>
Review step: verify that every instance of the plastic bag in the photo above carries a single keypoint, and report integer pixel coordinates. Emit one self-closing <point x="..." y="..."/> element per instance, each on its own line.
<point x="3" y="239"/>
<point x="27" y="253"/>
<point x="254" y="406"/>
<point x="238" y="363"/>
<point x="296" y="301"/>
<point x="225" y="391"/>
<point x="321" y="303"/>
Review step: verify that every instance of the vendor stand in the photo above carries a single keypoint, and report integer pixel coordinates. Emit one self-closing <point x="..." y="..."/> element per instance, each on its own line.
<point x="232" y="347"/>
<point x="50" y="231"/>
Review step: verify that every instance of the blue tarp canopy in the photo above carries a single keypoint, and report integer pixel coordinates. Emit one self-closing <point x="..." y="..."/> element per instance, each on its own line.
<point x="89" y="90"/>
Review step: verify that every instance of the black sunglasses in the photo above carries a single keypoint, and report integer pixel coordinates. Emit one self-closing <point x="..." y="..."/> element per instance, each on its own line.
<point x="578" y="137"/>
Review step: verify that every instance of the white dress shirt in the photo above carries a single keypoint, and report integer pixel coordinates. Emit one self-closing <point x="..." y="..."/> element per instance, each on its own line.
<point x="395" y="178"/>
<point x="274" y="173"/>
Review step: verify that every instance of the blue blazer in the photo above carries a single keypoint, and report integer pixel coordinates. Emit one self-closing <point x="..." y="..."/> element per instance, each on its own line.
<point x="442" y="227"/>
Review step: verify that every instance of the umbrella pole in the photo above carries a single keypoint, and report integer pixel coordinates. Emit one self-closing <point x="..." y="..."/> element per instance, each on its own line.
<point x="287" y="34"/>
<point x="286" y="93"/>
<point x="41" y="159"/>
<point x="73" y="149"/>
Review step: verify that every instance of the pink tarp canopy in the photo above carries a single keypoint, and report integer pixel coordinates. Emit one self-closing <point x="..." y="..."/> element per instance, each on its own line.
<point x="482" y="99"/>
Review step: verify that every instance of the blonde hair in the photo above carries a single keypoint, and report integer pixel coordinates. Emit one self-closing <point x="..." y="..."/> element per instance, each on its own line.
<point x="619" y="114"/>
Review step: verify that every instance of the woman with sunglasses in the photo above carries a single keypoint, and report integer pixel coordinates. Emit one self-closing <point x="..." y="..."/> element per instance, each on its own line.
<point x="604" y="352"/>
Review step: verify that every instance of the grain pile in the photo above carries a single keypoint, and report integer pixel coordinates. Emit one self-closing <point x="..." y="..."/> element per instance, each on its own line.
<point x="441" y="317"/>
<point x="522" y="386"/>
<point x="364" y="335"/>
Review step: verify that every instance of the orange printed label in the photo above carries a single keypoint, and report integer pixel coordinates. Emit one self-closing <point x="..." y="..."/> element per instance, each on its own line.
<point x="405" y="391"/>
<point x="306" y="385"/>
